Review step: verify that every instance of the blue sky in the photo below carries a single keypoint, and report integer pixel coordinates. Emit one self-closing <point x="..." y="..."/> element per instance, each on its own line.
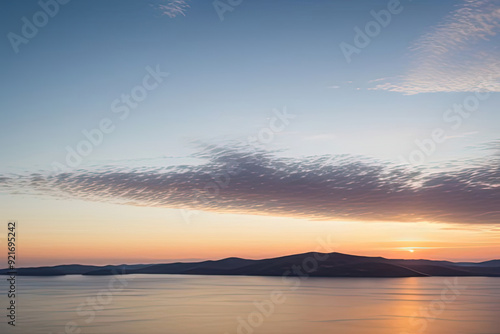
<point x="228" y="78"/>
<point x="225" y="78"/>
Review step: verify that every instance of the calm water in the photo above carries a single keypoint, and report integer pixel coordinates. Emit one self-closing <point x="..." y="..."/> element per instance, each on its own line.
<point x="215" y="304"/>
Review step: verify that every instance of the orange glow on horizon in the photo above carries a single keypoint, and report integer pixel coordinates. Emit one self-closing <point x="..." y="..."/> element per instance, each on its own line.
<point x="111" y="234"/>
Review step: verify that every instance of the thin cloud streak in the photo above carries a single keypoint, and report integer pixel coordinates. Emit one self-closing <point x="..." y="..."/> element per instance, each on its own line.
<point x="174" y="8"/>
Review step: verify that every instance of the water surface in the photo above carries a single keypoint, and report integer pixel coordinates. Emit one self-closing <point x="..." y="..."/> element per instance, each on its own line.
<point x="216" y="304"/>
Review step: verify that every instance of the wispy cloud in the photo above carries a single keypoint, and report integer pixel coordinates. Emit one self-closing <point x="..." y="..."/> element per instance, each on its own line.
<point x="237" y="180"/>
<point x="493" y="146"/>
<point x="460" y="54"/>
<point x="461" y="135"/>
<point x="173" y="8"/>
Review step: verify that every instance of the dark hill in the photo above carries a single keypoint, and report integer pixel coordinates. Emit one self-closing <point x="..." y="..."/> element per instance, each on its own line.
<point x="310" y="264"/>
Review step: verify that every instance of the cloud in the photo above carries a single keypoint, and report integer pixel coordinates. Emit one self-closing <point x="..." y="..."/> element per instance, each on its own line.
<point x="460" y="54"/>
<point x="173" y="8"/>
<point x="491" y="146"/>
<point x="461" y="135"/>
<point x="237" y="180"/>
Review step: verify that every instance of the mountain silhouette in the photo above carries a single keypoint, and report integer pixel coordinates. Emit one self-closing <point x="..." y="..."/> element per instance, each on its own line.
<point x="308" y="264"/>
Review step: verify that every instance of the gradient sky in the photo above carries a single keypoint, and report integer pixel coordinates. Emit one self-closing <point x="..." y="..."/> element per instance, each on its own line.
<point x="336" y="170"/>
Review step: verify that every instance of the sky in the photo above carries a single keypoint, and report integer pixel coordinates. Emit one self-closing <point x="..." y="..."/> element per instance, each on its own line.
<point x="161" y="130"/>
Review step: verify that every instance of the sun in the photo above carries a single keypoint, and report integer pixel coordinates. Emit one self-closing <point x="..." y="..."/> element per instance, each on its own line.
<point x="410" y="250"/>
